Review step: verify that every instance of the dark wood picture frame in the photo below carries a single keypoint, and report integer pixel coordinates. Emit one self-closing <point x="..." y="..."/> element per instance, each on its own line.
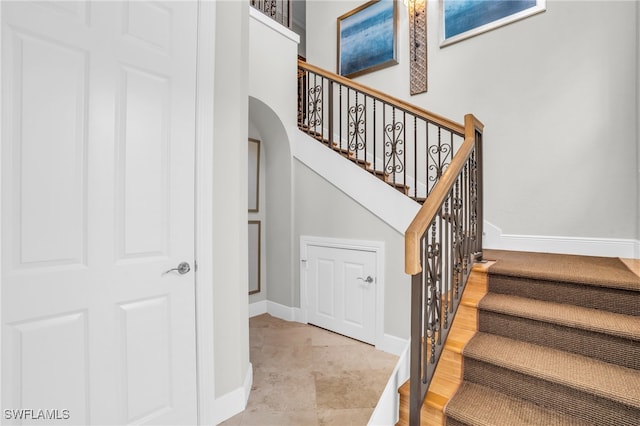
<point x="254" y="175"/>
<point x="254" y="236"/>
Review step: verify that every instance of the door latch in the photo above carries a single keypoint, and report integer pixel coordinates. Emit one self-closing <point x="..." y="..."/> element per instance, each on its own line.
<point x="182" y="269"/>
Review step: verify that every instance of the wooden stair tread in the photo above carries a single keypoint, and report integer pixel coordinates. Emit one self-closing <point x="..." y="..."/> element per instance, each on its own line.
<point x="472" y="297"/>
<point x="457" y="341"/>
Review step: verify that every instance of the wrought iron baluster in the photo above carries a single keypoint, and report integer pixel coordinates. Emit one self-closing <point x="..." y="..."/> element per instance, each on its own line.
<point x="374" y="135"/>
<point x="315" y="105"/>
<point x="394" y="143"/>
<point x="404" y="155"/>
<point x="365" y="132"/>
<point x="465" y="213"/>
<point x="457" y="249"/>
<point x="323" y="111"/>
<point x="415" y="157"/>
<point x="357" y="125"/>
<point x="474" y="199"/>
<point x="331" y="118"/>
<point x="426" y="161"/>
<point x="340" y="118"/>
<point x="438" y="287"/>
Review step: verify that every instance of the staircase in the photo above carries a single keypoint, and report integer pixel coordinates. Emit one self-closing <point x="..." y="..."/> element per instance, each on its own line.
<point x="365" y="165"/>
<point x="558" y="343"/>
<point x="405" y="146"/>
<point x="432" y="160"/>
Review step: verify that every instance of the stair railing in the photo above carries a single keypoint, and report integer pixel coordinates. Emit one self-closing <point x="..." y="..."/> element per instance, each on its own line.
<point x="440" y="246"/>
<point x="278" y="10"/>
<point x="434" y="161"/>
<point x="406" y="146"/>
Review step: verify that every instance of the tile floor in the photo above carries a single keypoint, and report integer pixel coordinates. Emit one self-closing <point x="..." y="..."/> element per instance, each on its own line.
<point x="307" y="376"/>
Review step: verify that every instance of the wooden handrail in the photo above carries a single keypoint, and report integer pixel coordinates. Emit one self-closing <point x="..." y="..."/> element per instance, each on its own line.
<point x="399" y="103"/>
<point x="429" y="209"/>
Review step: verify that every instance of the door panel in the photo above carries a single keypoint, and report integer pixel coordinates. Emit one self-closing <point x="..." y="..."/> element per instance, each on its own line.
<point x="61" y="378"/>
<point x="51" y="81"/>
<point x="146" y="356"/>
<point x="98" y="145"/>
<point x="143" y="144"/>
<point x="354" y="310"/>
<point x="339" y="297"/>
<point x="325" y="299"/>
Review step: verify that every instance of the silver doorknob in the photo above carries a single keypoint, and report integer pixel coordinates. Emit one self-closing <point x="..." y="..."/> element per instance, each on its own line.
<point x="367" y="280"/>
<point x="182" y="268"/>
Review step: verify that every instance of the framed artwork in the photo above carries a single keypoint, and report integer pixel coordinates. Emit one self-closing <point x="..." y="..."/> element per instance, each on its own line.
<point x="254" y="256"/>
<point x="462" y="19"/>
<point x="254" y="174"/>
<point x="367" y="38"/>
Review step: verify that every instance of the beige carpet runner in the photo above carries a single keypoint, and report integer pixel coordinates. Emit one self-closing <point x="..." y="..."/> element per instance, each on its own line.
<point x="558" y="344"/>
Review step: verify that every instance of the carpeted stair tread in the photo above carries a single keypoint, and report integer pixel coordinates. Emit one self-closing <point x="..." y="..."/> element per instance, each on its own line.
<point x="589" y="296"/>
<point x="589" y="319"/>
<point x="598" y="378"/>
<point x="587" y="270"/>
<point x="476" y="405"/>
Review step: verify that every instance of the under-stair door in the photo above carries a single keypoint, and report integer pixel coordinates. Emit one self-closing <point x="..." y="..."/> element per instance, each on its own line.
<point x="98" y="139"/>
<point x="341" y="285"/>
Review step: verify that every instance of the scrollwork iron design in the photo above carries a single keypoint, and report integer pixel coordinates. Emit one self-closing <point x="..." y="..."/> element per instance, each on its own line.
<point x="433" y="282"/>
<point x="357" y="127"/>
<point x="394" y="147"/>
<point x="271" y="8"/>
<point x="440" y="157"/>
<point x="457" y="236"/>
<point x="315" y="106"/>
<point x="473" y="195"/>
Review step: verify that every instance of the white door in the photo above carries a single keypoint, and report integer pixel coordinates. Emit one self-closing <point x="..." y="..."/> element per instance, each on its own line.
<point x="341" y="285"/>
<point x="98" y="115"/>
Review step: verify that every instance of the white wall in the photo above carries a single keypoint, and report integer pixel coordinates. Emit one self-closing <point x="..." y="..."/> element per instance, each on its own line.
<point x="638" y="123"/>
<point x="231" y="325"/>
<point x="302" y="47"/>
<point x="557" y="95"/>
<point x="272" y="111"/>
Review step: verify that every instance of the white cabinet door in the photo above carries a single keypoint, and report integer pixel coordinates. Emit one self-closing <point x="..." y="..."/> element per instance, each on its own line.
<point x="341" y="285"/>
<point x="98" y="116"/>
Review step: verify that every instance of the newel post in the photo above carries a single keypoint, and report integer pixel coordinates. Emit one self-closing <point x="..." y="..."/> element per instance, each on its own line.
<point x="473" y="128"/>
<point x="415" y="354"/>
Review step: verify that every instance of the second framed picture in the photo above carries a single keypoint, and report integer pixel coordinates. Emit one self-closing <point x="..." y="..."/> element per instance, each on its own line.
<point x="254" y="256"/>
<point x="461" y="19"/>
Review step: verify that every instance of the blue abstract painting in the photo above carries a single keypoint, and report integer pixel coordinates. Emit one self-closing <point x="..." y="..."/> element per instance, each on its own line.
<point x="466" y="18"/>
<point x="367" y="38"/>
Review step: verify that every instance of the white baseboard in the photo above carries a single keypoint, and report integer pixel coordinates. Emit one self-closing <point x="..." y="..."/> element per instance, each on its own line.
<point x="277" y="310"/>
<point x="493" y="238"/>
<point x="387" y="409"/>
<point x="234" y="402"/>
<point x="392" y="344"/>
<point x="257" y="308"/>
